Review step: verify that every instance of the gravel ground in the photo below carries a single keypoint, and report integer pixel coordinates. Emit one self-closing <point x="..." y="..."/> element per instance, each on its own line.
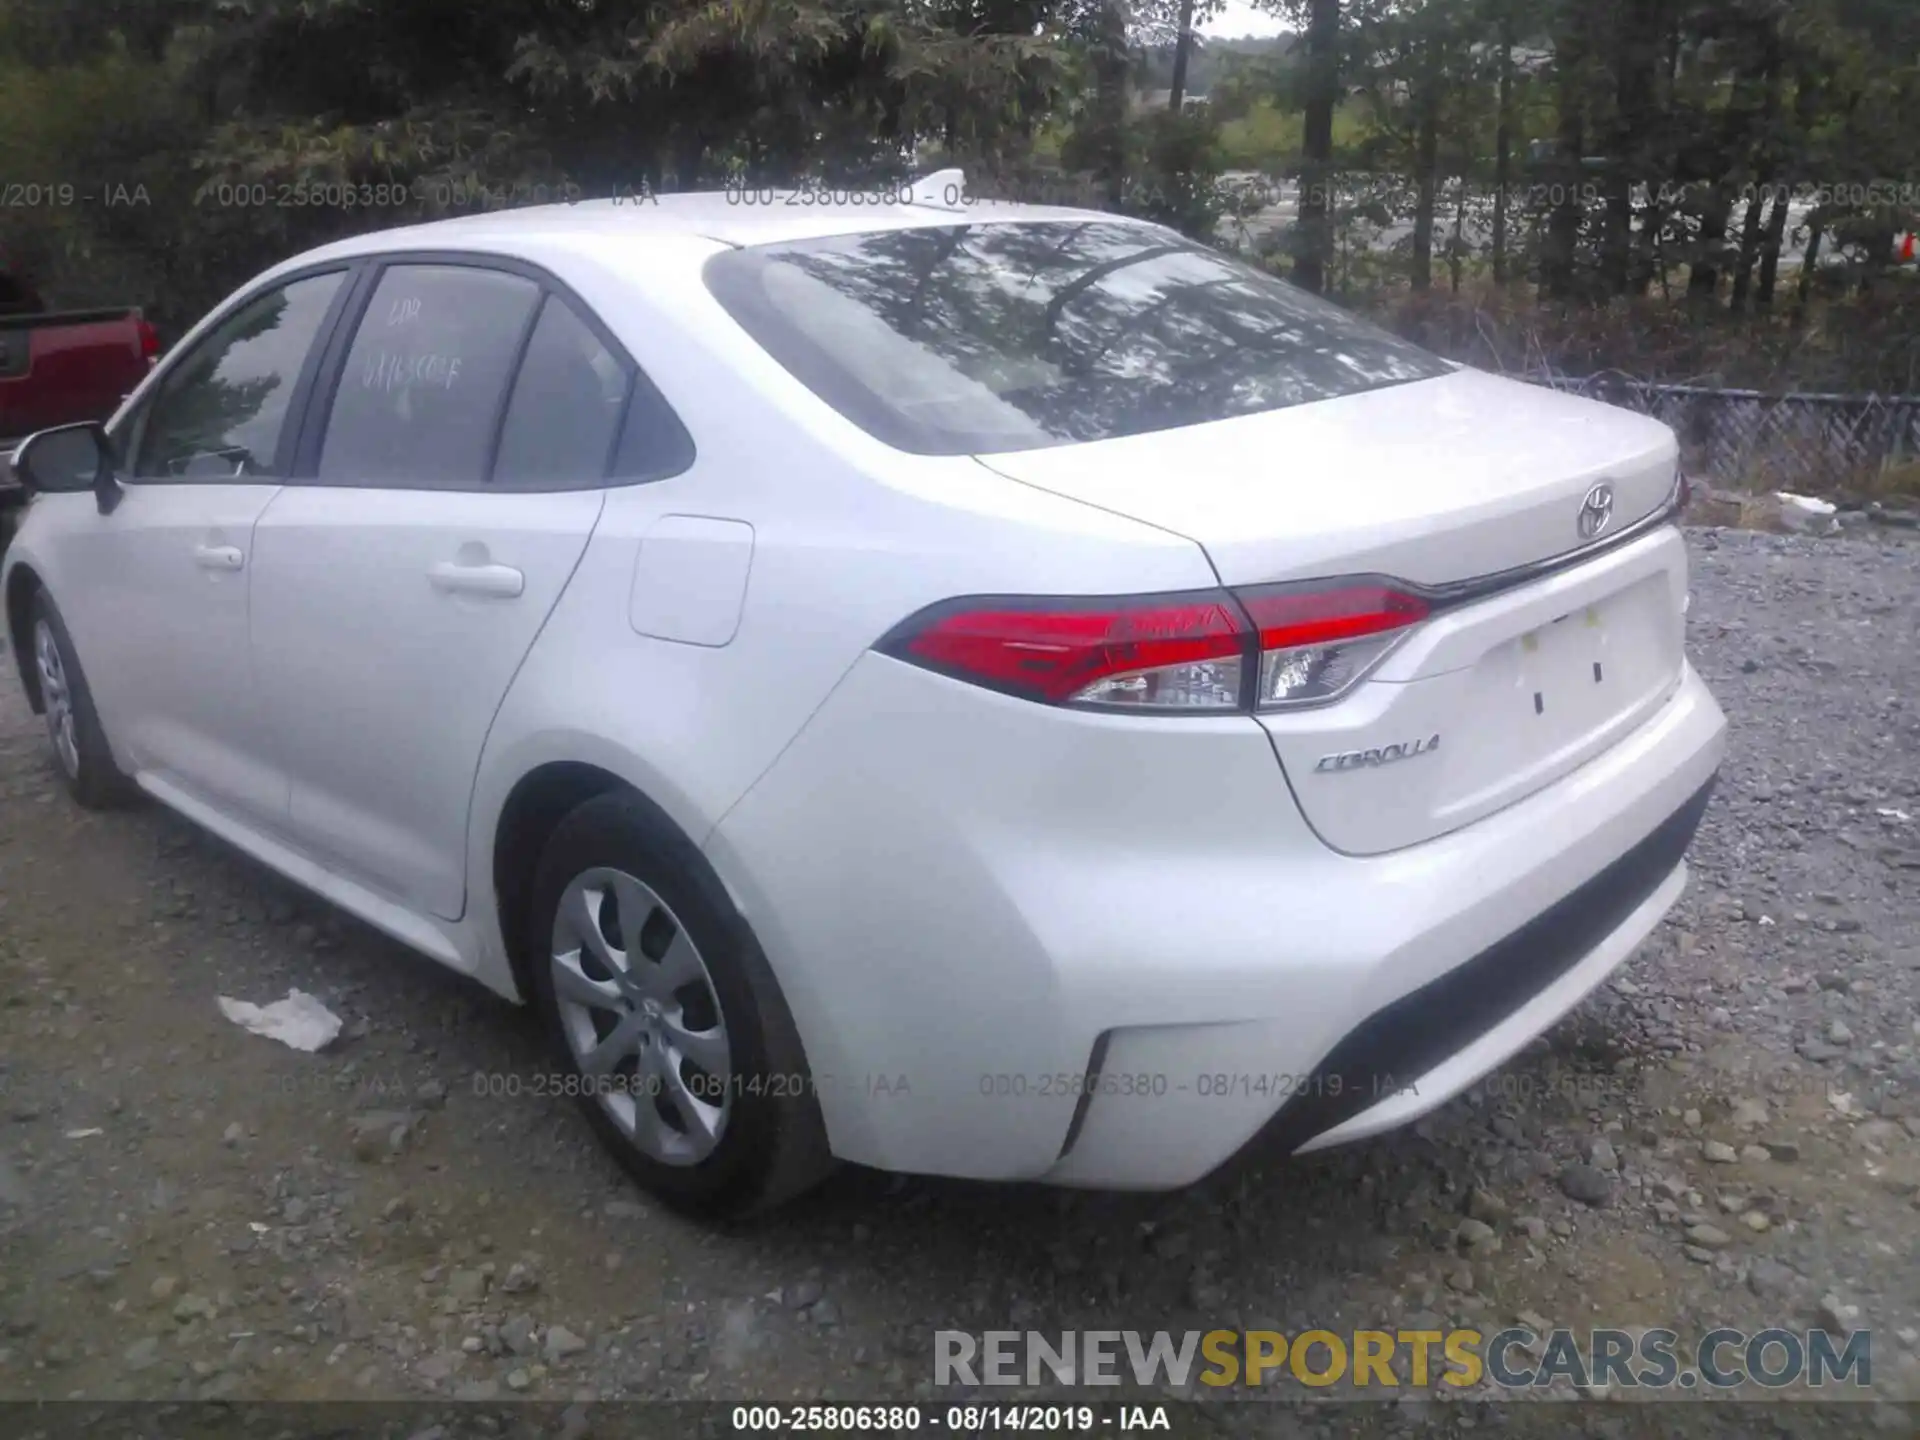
<point x="1729" y="1133"/>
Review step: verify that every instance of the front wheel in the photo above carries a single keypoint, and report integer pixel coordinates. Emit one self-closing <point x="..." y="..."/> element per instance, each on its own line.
<point x="666" y="1015"/>
<point x="80" y="750"/>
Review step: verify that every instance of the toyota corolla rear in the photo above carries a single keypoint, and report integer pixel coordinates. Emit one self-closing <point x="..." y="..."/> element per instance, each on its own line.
<point x="1097" y="887"/>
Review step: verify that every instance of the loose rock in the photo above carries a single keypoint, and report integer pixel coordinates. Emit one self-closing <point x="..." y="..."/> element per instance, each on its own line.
<point x="1586" y="1183"/>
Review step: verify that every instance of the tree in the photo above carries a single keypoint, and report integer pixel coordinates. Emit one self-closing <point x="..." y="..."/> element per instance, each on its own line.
<point x="1312" y="228"/>
<point x="1169" y="29"/>
<point x="1182" y="47"/>
<point x="1503" y="20"/>
<point x="1416" y="64"/>
<point x="1573" y="60"/>
<point x="1099" y="141"/>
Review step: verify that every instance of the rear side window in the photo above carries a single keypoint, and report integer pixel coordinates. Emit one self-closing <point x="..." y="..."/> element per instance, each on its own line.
<point x="653" y="443"/>
<point x="972" y="339"/>
<point x="419" y="398"/>
<point x="567" y="406"/>
<point x="580" y="415"/>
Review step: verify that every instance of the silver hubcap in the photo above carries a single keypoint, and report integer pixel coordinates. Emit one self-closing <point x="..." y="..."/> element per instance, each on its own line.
<point x="57" y="699"/>
<point x="642" y="1017"/>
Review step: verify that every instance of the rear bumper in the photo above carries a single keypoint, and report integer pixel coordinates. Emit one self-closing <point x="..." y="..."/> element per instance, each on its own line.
<point x="967" y="923"/>
<point x="1423" y="1048"/>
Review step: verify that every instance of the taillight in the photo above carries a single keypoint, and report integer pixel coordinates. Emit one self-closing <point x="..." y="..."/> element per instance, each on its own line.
<point x="149" y="341"/>
<point x="1166" y="652"/>
<point x="1315" y="642"/>
<point x="1200" y="652"/>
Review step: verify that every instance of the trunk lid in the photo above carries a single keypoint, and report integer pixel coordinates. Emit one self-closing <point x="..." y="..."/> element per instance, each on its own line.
<point x="1492" y="701"/>
<point x="1435" y="483"/>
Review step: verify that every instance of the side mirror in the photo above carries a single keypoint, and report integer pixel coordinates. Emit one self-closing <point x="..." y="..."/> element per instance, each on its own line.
<point x="68" y="460"/>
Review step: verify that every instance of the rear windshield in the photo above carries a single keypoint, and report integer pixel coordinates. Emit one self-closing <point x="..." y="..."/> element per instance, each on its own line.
<point x="976" y="339"/>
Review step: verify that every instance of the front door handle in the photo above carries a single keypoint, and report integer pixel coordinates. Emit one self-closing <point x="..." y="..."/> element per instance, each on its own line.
<point x="218" y="557"/>
<point x="500" y="582"/>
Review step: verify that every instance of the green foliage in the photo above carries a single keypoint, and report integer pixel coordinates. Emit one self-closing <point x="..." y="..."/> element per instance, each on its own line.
<point x="240" y="131"/>
<point x="1175" y="170"/>
<point x="1266" y="137"/>
<point x="262" y="127"/>
<point x="1212" y="64"/>
<point x="97" y="152"/>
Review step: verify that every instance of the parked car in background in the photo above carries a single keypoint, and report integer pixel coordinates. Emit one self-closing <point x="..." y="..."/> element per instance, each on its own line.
<point x="986" y="690"/>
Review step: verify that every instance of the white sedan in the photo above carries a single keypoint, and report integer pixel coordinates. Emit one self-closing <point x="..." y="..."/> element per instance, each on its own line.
<point x="962" y="688"/>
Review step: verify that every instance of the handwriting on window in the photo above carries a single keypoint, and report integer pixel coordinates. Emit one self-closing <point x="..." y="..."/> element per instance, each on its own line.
<point x="388" y="372"/>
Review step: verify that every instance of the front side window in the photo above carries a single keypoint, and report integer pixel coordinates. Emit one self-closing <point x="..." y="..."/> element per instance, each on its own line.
<point x="418" y="401"/>
<point x="968" y="339"/>
<point x="221" y="413"/>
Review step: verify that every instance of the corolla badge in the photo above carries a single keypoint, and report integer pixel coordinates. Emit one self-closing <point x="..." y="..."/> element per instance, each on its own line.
<point x="1596" y="511"/>
<point x="1384" y="755"/>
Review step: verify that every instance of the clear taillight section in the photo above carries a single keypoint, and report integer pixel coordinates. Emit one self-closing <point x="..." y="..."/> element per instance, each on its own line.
<point x="1196" y="685"/>
<point x="1209" y="652"/>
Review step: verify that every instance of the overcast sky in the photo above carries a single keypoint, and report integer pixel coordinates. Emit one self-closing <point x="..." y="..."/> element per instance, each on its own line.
<point x="1240" y="18"/>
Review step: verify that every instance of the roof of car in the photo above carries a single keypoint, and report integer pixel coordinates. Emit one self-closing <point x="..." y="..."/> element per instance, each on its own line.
<point x="727" y="217"/>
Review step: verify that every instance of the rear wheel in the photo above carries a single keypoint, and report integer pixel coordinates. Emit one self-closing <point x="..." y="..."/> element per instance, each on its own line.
<point x="80" y="750"/>
<point x="664" y="1011"/>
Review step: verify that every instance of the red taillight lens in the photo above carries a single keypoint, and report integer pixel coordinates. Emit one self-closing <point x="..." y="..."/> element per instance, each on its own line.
<point x="1316" y="642"/>
<point x="149" y="341"/>
<point x="1166" y="652"/>
<point x="1207" y="651"/>
<point x="1287" y="616"/>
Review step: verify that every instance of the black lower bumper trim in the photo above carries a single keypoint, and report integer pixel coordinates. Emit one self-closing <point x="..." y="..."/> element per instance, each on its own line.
<point x="1396" y="1045"/>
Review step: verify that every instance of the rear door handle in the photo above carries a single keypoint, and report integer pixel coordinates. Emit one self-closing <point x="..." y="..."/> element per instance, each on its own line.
<point x="501" y="582"/>
<point x="218" y="557"/>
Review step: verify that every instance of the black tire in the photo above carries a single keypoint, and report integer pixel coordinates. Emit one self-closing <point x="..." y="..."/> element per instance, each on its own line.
<point x="90" y="775"/>
<point x="773" y="1145"/>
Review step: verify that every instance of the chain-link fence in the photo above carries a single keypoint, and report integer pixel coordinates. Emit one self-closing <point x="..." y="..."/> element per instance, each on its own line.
<point x="1747" y="440"/>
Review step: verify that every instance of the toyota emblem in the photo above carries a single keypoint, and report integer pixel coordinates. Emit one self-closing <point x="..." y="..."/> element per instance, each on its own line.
<point x="1596" y="511"/>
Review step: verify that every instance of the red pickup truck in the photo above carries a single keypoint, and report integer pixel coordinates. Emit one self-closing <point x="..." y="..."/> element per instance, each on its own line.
<point x="60" y="367"/>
